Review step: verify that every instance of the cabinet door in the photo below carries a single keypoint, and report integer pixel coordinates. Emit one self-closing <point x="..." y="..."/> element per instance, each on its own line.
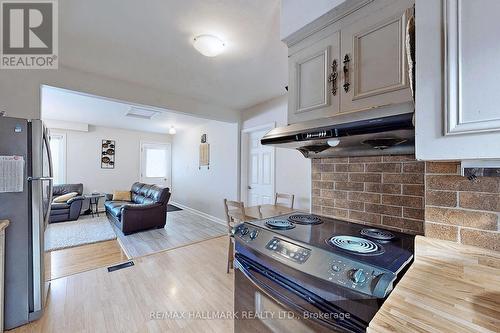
<point x="313" y="90"/>
<point x="375" y="68"/>
<point x="457" y="101"/>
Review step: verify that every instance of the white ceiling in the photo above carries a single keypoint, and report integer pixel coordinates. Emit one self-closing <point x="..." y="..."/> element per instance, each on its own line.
<point x="64" y="105"/>
<point x="149" y="43"/>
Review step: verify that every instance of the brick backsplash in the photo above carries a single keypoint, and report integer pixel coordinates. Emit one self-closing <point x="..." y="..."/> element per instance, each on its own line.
<point x="400" y="193"/>
<point x="386" y="191"/>
<point x="461" y="210"/>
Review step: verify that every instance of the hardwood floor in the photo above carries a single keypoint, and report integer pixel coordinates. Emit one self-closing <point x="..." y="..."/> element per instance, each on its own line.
<point x="78" y="259"/>
<point x="182" y="228"/>
<point x="190" y="278"/>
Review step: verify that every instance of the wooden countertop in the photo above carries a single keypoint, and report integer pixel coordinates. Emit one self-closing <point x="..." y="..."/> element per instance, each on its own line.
<point x="4" y="224"/>
<point x="449" y="288"/>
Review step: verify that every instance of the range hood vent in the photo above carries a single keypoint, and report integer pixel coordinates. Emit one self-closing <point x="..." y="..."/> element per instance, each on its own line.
<point x="386" y="131"/>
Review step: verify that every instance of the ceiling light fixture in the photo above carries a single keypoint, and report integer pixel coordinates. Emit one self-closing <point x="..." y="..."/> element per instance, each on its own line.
<point x="209" y="45"/>
<point x="172" y="130"/>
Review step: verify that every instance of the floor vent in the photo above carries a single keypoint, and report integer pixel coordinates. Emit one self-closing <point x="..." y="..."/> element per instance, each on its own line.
<point x="120" y="266"/>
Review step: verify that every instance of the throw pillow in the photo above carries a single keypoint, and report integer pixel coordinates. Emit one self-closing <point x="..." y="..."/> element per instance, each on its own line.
<point x="65" y="197"/>
<point x="122" y="195"/>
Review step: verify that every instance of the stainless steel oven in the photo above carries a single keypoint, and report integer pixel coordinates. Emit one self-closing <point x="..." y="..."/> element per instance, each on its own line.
<point x="265" y="301"/>
<point x="308" y="273"/>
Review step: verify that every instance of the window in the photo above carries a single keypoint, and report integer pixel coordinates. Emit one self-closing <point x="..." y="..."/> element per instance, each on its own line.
<point x="156" y="162"/>
<point x="58" y="152"/>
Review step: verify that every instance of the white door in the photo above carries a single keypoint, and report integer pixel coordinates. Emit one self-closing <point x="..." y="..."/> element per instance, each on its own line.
<point x="155" y="163"/>
<point x="260" y="171"/>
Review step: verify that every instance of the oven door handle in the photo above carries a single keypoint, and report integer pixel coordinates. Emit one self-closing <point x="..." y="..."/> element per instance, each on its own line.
<point x="348" y="325"/>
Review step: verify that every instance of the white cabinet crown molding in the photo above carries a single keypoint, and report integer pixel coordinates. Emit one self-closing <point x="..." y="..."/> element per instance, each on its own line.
<point x="346" y="8"/>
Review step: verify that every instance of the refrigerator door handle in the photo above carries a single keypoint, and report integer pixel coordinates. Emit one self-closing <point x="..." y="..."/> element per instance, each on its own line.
<point x="46" y="139"/>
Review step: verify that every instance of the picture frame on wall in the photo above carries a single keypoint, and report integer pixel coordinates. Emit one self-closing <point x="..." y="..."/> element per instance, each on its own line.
<point x="108" y="150"/>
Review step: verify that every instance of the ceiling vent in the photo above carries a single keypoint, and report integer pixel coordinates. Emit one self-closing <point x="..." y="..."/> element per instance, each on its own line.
<point x="141" y="113"/>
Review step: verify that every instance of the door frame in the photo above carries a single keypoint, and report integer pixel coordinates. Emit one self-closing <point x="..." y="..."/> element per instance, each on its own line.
<point x="169" y="173"/>
<point x="63" y="134"/>
<point x="245" y="134"/>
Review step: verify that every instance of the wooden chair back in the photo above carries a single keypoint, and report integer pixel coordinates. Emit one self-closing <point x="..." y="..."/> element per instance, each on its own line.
<point x="235" y="211"/>
<point x="284" y="199"/>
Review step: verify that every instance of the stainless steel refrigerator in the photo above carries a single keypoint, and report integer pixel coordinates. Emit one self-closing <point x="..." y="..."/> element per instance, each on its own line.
<point x="28" y="210"/>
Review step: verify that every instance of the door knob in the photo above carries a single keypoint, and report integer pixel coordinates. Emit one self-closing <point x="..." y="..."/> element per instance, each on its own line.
<point x="249" y="187"/>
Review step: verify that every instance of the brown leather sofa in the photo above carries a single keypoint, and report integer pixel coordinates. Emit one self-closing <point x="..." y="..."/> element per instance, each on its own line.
<point x="69" y="210"/>
<point x="148" y="209"/>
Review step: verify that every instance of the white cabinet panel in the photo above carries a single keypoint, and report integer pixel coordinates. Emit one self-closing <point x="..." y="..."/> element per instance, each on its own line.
<point x="472" y="66"/>
<point x="457" y="113"/>
<point x="313" y="90"/>
<point x="374" y="58"/>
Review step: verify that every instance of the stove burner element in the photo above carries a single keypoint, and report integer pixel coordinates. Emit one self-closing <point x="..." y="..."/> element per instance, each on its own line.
<point x="377" y="234"/>
<point x="304" y="219"/>
<point x="279" y="224"/>
<point x="356" y="245"/>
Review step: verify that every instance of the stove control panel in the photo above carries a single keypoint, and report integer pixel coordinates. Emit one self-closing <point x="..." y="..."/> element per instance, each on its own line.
<point x="245" y="233"/>
<point x="289" y="250"/>
<point x="359" y="277"/>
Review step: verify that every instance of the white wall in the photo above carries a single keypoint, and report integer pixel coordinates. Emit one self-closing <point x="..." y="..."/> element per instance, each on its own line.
<point x="204" y="190"/>
<point x="293" y="171"/>
<point x="295" y="14"/>
<point x="83" y="155"/>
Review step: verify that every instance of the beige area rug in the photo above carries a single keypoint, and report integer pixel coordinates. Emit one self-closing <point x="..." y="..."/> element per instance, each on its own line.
<point x="86" y="230"/>
<point x="182" y="228"/>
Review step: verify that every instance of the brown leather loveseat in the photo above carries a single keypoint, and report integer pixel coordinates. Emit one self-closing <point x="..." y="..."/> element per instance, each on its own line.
<point x="148" y="209"/>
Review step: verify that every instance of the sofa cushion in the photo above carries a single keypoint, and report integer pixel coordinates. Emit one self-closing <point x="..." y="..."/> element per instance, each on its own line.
<point x="67" y="188"/>
<point x="149" y="194"/>
<point x="122" y="196"/>
<point x="65" y="197"/>
<point x="63" y="211"/>
<point x="114" y="207"/>
<point x="59" y="205"/>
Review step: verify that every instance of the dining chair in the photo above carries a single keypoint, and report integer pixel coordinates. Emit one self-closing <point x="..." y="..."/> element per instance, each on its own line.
<point x="284" y="199"/>
<point x="235" y="213"/>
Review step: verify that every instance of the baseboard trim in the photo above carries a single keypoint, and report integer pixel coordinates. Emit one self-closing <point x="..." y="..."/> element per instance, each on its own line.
<point x="199" y="213"/>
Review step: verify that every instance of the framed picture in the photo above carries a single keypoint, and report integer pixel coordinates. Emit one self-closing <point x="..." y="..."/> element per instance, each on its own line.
<point x="108" y="149"/>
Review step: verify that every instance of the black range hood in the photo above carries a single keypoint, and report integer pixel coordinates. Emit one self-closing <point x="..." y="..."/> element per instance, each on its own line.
<point x="383" y="131"/>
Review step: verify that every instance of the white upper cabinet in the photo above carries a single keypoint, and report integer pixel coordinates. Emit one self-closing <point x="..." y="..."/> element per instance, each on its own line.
<point x="353" y="62"/>
<point x="458" y="100"/>
<point x="375" y="67"/>
<point x="313" y="83"/>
